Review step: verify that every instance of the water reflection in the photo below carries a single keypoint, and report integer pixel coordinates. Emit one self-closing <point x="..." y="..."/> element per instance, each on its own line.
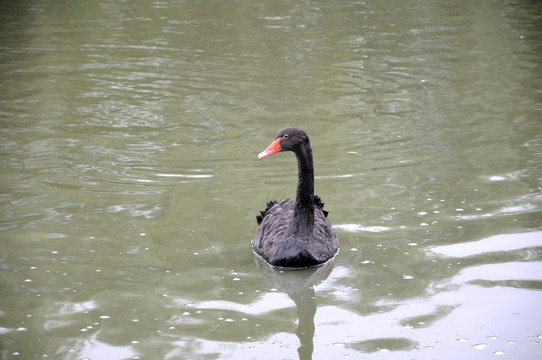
<point x="299" y="285"/>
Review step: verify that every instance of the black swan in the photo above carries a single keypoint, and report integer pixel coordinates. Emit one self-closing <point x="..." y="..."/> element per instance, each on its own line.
<point x="295" y="233"/>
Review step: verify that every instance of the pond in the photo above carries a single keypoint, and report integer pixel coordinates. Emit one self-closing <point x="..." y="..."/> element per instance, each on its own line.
<point x="130" y="180"/>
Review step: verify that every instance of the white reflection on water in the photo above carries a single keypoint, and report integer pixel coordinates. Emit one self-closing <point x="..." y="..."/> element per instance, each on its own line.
<point x="501" y="242"/>
<point x="267" y="303"/>
<point x="455" y="319"/>
<point x="359" y="228"/>
<point x="96" y="349"/>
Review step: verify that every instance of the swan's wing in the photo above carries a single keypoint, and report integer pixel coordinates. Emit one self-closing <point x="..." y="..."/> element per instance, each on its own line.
<point x="273" y="226"/>
<point x="325" y="241"/>
<point x="319" y="204"/>
<point x="269" y="205"/>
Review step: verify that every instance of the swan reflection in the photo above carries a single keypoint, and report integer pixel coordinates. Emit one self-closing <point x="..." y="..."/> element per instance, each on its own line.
<point x="299" y="285"/>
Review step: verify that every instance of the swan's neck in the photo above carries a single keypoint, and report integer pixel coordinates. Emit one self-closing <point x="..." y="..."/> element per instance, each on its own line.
<point x="304" y="202"/>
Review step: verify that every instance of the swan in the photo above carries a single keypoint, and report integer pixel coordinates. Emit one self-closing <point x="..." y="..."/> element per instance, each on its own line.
<point x="295" y="233"/>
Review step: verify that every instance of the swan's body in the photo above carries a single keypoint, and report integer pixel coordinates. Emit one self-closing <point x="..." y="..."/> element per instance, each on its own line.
<point x="295" y="233"/>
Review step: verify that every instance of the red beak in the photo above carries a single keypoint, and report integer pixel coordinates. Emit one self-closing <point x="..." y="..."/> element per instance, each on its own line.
<point x="271" y="149"/>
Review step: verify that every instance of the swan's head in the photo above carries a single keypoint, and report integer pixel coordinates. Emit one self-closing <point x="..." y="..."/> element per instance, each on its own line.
<point x="288" y="139"/>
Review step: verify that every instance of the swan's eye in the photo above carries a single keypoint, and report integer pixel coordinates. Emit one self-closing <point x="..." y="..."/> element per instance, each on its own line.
<point x="286" y="136"/>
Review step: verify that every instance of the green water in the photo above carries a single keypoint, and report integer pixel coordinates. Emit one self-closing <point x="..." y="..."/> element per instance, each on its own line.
<point x="129" y="184"/>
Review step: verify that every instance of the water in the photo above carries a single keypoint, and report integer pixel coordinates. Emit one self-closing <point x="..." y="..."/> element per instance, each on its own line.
<point x="130" y="183"/>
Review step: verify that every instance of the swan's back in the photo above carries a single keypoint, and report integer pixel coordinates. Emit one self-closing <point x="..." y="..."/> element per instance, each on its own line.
<point x="278" y="245"/>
